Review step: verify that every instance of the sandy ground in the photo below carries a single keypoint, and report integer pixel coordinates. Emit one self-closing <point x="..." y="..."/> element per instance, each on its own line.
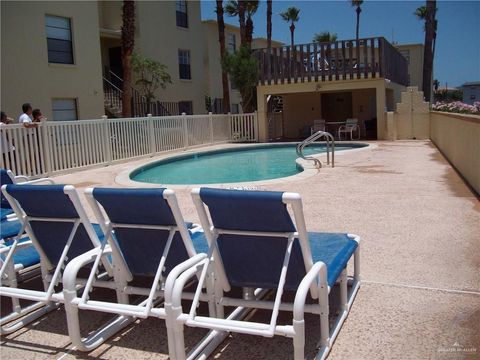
<point x="420" y="296"/>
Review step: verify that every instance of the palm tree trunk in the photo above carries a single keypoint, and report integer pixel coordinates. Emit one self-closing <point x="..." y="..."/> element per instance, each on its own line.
<point x="128" y="43"/>
<point x="269" y="37"/>
<point x="241" y="19"/>
<point x="358" y="22"/>
<point x="428" y="49"/>
<point x="221" y="39"/>
<point x="269" y="25"/>
<point x="292" y="30"/>
<point x="249" y="32"/>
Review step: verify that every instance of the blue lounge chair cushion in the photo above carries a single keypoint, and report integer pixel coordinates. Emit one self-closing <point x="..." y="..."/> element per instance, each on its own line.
<point x="252" y="211"/>
<point x="142" y="248"/>
<point x="135" y="206"/>
<point x="26" y="256"/>
<point x="4" y="212"/>
<point x="261" y="267"/>
<point x="48" y="201"/>
<point x="9" y="228"/>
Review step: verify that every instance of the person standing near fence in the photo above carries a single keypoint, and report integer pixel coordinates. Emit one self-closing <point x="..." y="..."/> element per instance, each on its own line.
<point x="30" y="136"/>
<point x="5" y="146"/>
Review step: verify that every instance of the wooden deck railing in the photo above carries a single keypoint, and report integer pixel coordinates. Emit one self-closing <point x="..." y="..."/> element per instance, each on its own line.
<point x="339" y="60"/>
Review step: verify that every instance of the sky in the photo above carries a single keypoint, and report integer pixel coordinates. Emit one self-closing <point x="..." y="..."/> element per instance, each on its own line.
<point x="457" y="53"/>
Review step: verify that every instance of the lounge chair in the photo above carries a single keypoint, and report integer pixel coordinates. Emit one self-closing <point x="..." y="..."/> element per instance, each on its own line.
<point x="148" y="238"/>
<point x="59" y="231"/>
<point x="350" y="126"/>
<point x="255" y="245"/>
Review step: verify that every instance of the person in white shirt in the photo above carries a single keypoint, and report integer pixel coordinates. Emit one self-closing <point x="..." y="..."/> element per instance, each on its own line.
<point x="26" y="118"/>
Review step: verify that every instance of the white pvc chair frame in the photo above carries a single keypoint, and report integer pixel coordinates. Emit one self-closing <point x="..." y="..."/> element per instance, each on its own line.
<point x="47" y="300"/>
<point x="127" y="313"/>
<point x="349" y="127"/>
<point x="314" y="282"/>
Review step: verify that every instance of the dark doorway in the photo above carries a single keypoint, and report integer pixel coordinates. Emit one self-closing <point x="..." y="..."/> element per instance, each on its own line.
<point x="336" y="106"/>
<point x="115" y="59"/>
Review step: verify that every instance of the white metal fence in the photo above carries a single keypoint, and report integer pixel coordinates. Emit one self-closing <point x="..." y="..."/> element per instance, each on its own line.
<point x="56" y="146"/>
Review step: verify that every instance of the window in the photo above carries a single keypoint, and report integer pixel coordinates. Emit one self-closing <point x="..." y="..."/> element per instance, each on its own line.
<point x="181" y="11"/>
<point x="185" y="107"/>
<point x="59" y="39"/>
<point x="406" y="55"/>
<point x="64" y="109"/>
<point x="235" y="109"/>
<point x="231" y="43"/>
<point x="184" y="64"/>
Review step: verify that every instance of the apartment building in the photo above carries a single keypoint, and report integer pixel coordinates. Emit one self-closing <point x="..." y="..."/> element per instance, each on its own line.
<point x="51" y="58"/>
<point x="55" y="54"/>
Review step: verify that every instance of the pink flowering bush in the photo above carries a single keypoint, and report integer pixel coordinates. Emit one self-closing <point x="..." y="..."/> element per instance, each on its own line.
<point x="458" y="107"/>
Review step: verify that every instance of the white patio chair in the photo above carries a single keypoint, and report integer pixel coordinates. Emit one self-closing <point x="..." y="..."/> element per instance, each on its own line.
<point x="350" y="126"/>
<point x="318" y="125"/>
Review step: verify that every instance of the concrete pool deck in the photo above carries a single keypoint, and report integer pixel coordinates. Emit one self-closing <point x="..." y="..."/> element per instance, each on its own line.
<point x="420" y="264"/>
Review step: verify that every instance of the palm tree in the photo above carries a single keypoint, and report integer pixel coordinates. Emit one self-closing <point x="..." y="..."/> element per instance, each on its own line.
<point x="245" y="10"/>
<point x="421" y="14"/>
<point x="325" y="36"/>
<point x="428" y="14"/>
<point x="128" y="43"/>
<point x="357" y="3"/>
<point x="221" y="39"/>
<point x="291" y="15"/>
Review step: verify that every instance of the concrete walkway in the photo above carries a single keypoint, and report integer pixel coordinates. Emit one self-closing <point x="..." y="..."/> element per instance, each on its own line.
<point x="420" y="297"/>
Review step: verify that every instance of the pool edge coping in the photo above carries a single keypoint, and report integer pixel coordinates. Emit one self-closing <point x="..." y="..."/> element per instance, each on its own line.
<point x="123" y="178"/>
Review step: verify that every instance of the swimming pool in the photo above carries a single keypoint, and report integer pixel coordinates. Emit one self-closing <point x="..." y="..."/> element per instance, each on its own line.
<point x="243" y="164"/>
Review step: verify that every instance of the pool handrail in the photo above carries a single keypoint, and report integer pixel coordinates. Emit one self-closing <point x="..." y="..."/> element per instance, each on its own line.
<point x="330" y="144"/>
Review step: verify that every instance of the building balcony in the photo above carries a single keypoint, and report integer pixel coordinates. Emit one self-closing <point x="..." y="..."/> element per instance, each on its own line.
<point x="340" y="60"/>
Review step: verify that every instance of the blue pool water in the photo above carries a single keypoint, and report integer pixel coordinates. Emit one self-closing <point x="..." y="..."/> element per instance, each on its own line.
<point x="229" y="166"/>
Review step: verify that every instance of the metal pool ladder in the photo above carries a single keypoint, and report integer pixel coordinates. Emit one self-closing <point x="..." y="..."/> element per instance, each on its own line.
<point x="330" y="142"/>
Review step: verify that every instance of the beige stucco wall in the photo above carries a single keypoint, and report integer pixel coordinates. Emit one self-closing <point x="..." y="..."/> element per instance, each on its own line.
<point x="415" y="65"/>
<point x="377" y="85"/>
<point x="159" y="38"/>
<point x="110" y="14"/>
<point x="299" y="110"/>
<point x="26" y="75"/>
<point x="458" y="138"/>
<point x="212" y="63"/>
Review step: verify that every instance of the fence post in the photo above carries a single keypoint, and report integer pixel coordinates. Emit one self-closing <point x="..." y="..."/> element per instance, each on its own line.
<point x="151" y="130"/>
<point x="255" y="125"/>
<point x="45" y="149"/>
<point x="185" y="130"/>
<point x="107" y="137"/>
<point x="210" y="119"/>
<point x="229" y="119"/>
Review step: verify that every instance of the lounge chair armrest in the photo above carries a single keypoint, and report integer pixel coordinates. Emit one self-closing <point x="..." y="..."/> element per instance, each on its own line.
<point x="38" y="181"/>
<point x="21" y="179"/>
<point x="177" y="271"/>
<point x="6" y="248"/>
<point x="318" y="271"/>
<point x="71" y="270"/>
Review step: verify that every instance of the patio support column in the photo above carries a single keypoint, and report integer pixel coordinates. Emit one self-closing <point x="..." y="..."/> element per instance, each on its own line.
<point x="262" y="116"/>
<point x="380" y="94"/>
